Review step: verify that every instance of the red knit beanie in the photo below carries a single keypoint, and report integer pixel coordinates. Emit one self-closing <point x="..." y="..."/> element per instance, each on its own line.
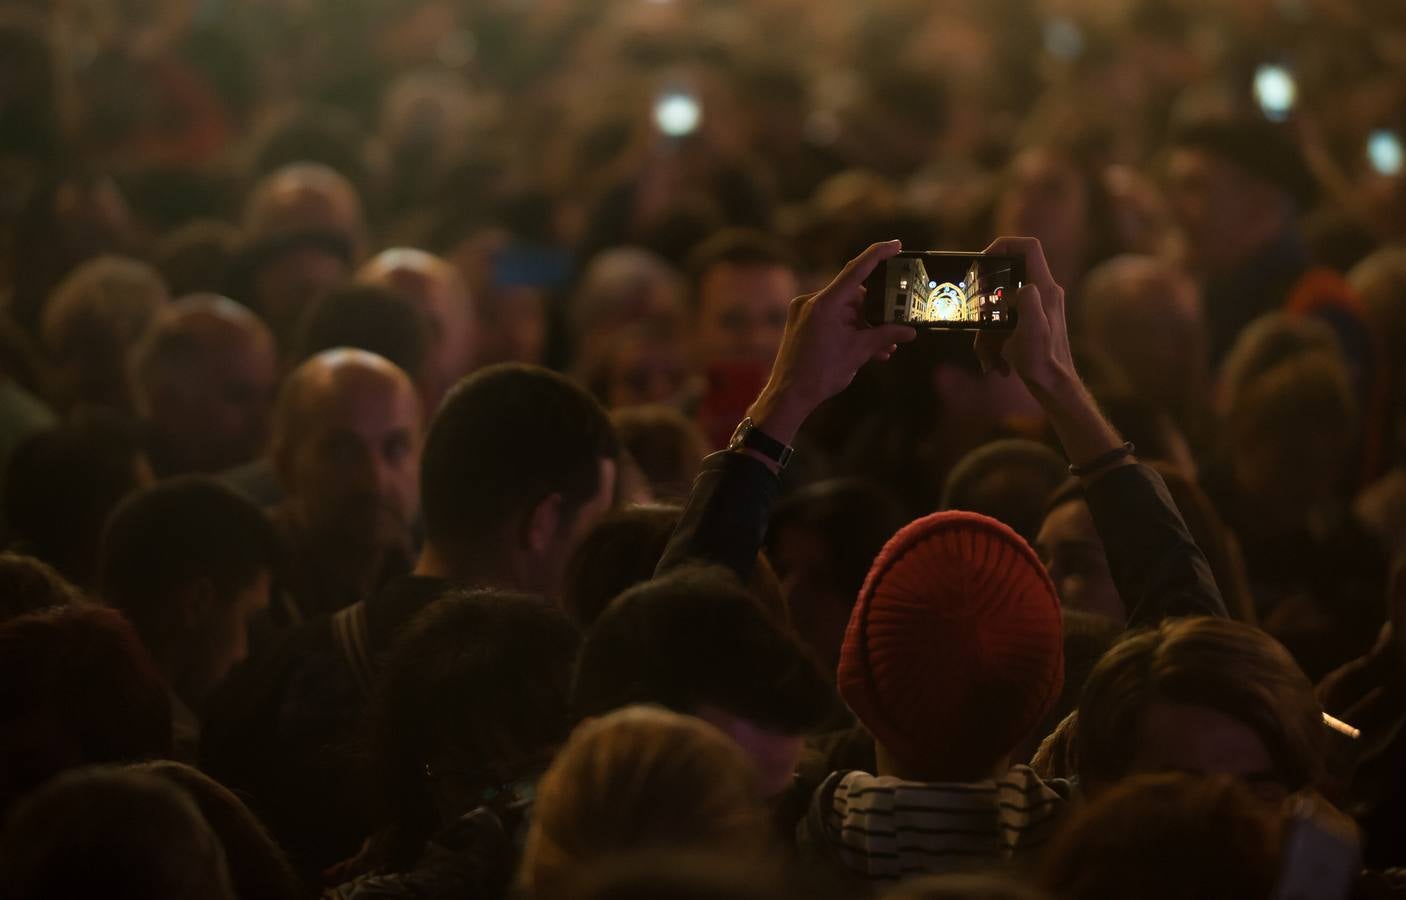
<point x="955" y="648"/>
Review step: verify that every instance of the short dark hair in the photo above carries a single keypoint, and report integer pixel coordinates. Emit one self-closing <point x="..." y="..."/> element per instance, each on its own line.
<point x="60" y="486"/>
<point x="1010" y="481"/>
<point x="174" y="533"/>
<point x="371" y="318"/>
<point x="475" y="676"/>
<point x="1264" y="150"/>
<point x="694" y="638"/>
<point x="852" y="517"/>
<point x="504" y="439"/>
<point x="621" y="551"/>
<point x="29" y="585"/>
<point x="77" y="682"/>
<point x="737" y="247"/>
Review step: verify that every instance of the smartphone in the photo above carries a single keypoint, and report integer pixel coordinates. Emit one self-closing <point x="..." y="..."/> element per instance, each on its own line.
<point x="1276" y="91"/>
<point x="1385" y="152"/>
<point x="945" y="291"/>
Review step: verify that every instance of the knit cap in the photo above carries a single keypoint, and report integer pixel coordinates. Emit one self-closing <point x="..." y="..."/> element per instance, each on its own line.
<point x="954" y="651"/>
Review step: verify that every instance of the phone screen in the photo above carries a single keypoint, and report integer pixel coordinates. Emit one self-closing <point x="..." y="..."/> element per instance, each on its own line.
<point x="945" y="291"/>
<point x="1276" y="91"/>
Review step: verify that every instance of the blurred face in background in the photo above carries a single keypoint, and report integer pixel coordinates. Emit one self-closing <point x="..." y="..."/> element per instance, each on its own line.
<point x="741" y="312"/>
<point x="1046" y="198"/>
<point x="1072" y="552"/>
<point x="1225" y="214"/>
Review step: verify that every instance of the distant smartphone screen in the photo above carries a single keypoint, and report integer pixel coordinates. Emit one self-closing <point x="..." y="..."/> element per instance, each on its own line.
<point x="945" y="291"/>
<point x="1276" y="91"/>
<point x="1385" y="152"/>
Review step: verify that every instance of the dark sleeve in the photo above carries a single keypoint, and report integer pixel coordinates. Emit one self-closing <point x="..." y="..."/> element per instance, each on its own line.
<point x="1159" y="570"/>
<point x="726" y="516"/>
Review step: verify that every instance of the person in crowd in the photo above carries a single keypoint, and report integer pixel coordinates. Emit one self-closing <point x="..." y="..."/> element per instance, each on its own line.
<point x="435" y="288"/>
<point x="62" y="484"/>
<point x="638" y="368"/>
<point x="1203" y="695"/>
<point x="621" y="551"/>
<point x="965" y="887"/>
<point x="625" y="288"/>
<point x="189" y="563"/>
<point x="1070" y="545"/>
<point x="28" y="585"/>
<point x="1145" y="315"/>
<point x="89" y="325"/>
<point x="258" y="869"/>
<point x="78" y="688"/>
<point x="368" y="318"/>
<point x="1268" y="341"/>
<point x="665" y="642"/>
<point x="281" y="277"/>
<point x="1058" y="195"/>
<point x="347" y="432"/>
<point x="204" y="377"/>
<point x="472" y="707"/>
<point x="642" y="779"/>
<point x="1230" y="844"/>
<point x="741" y="284"/>
<point x="822" y="540"/>
<point x="682" y="875"/>
<point x="1011" y="481"/>
<point x="112" y="832"/>
<point x="518" y="464"/>
<point x="1317" y="575"/>
<point x="664" y="444"/>
<point x="1236" y="189"/>
<point x="303" y="197"/>
<point x="197" y="257"/>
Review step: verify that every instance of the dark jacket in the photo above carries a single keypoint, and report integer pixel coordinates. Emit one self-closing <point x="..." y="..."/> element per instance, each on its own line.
<point x="280" y="730"/>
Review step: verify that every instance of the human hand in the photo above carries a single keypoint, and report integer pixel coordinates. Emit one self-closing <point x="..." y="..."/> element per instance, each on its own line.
<point x="1038" y="347"/>
<point x="825" y="343"/>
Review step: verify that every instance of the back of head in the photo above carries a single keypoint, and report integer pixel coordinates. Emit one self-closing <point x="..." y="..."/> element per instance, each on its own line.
<point x="667" y="446"/>
<point x="741" y="247"/>
<point x="258" y="870"/>
<point x="1307" y="392"/>
<point x="1165" y="837"/>
<point x="60" y="486"/>
<point x="622" y="285"/>
<point x="1265" y="343"/>
<point x="1222" y="665"/>
<point x="91" y="321"/>
<point x="28" y="585"/>
<point x="305" y="196"/>
<point x="1011" y="481"/>
<point x="641" y="779"/>
<point x="1260" y="149"/>
<point x="370" y="318"/>
<point x="1380" y="280"/>
<point x="180" y="532"/>
<point x="76" y="687"/>
<point x="695" y="638"/>
<point x="474" y="696"/>
<point x="620" y="551"/>
<point x="504" y="439"/>
<point x="957" y="629"/>
<point x="111" y="833"/>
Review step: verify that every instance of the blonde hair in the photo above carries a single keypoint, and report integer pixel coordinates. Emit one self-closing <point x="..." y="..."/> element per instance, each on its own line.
<point x="642" y="778"/>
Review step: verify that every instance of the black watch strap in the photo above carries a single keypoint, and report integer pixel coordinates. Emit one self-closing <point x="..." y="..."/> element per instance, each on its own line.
<point x="749" y="436"/>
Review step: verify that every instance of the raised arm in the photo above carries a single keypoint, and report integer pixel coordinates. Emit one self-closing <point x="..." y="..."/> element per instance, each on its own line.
<point x="1156" y="565"/>
<point x="825" y="343"/>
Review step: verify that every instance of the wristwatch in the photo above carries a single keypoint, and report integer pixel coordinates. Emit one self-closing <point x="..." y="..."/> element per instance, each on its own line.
<point x="749" y="436"/>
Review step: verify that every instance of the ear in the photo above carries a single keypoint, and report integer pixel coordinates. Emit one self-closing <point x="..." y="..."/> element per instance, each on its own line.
<point x="543" y="524"/>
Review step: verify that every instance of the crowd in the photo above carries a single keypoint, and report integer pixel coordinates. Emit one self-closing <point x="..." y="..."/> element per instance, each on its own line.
<point x="443" y="453"/>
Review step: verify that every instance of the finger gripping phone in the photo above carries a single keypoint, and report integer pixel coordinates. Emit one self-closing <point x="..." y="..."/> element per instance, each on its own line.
<point x="939" y="291"/>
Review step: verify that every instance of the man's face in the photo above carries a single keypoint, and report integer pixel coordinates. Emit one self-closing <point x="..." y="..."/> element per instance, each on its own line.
<point x="353" y="468"/>
<point x="227" y="633"/>
<point x="1217" y="207"/>
<point x="1072" y="552"/>
<point x="742" y="312"/>
<point x="217" y="415"/>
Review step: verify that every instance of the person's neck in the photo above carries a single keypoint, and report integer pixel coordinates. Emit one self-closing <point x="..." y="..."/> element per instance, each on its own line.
<point x="888" y="765"/>
<point x="469" y="569"/>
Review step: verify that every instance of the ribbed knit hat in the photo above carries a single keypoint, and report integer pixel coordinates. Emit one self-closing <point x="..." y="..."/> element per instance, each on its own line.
<point x="954" y="651"/>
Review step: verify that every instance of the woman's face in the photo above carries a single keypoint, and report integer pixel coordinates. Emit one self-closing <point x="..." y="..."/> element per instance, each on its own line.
<point x="1199" y="740"/>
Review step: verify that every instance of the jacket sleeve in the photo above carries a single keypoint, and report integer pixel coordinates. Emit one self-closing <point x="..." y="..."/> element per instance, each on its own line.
<point x="1159" y="570"/>
<point x="726" y="516"/>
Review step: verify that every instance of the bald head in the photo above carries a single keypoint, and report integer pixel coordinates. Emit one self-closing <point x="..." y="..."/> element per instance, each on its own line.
<point x="306" y="197"/>
<point x="203" y="375"/>
<point x="436" y="288"/>
<point x="1145" y="315"/>
<point x="346" y="443"/>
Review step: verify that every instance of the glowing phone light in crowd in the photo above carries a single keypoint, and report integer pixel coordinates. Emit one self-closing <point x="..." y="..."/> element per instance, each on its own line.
<point x="1276" y="91"/>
